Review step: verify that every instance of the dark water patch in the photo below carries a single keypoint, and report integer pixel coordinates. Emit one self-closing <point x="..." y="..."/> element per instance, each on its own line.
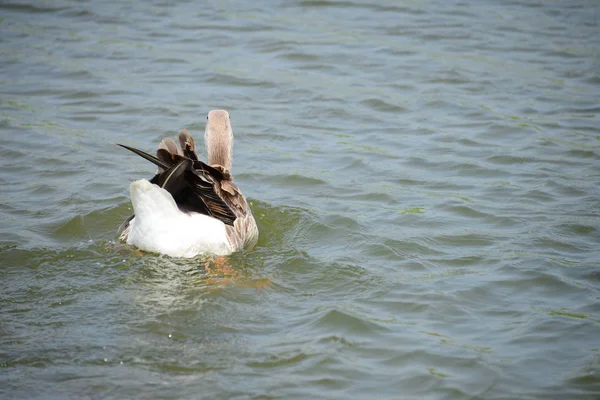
<point x="466" y="211"/>
<point x="592" y="80"/>
<point x="339" y="321"/>
<point x="28" y="8"/>
<point x="377" y="7"/>
<point x="371" y="198"/>
<point x="82" y="95"/>
<point x="468" y="240"/>
<point x="473" y="170"/>
<point x="85" y="118"/>
<point x="464" y="141"/>
<point x="580" y="153"/>
<point x="297" y="180"/>
<point x="77" y="13"/>
<point x="383" y="106"/>
<point x="578" y="229"/>
<point x="303" y="57"/>
<point x="276" y="361"/>
<point x="325" y="3"/>
<point x="560" y="246"/>
<point x="172" y="61"/>
<point x="510" y="160"/>
<point x="235" y="81"/>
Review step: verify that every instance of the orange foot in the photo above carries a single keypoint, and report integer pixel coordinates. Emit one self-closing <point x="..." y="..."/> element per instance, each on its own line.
<point x="219" y="266"/>
<point x="219" y="272"/>
<point x="126" y="249"/>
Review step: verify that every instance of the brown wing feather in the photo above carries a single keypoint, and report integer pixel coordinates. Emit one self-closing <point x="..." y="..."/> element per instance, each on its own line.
<point x="188" y="145"/>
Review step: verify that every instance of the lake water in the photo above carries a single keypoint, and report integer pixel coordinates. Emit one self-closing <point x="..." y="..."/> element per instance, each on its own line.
<point x="425" y="176"/>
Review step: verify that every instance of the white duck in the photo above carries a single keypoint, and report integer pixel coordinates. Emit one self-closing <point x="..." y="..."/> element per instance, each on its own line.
<point x="189" y="207"/>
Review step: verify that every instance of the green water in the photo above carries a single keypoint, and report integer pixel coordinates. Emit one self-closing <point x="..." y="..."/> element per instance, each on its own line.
<point x="425" y="176"/>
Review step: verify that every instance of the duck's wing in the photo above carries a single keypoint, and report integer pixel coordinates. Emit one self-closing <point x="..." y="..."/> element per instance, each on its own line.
<point x="194" y="185"/>
<point x="194" y="191"/>
<point x="230" y="193"/>
<point x="243" y="233"/>
<point x="204" y="187"/>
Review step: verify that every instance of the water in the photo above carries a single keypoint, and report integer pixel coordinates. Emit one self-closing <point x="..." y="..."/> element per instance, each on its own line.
<point x="425" y="176"/>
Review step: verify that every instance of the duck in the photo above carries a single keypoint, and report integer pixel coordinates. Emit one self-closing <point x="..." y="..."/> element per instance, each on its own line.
<point x="191" y="207"/>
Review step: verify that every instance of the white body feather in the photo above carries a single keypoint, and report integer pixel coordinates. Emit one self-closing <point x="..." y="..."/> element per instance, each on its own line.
<point x="159" y="226"/>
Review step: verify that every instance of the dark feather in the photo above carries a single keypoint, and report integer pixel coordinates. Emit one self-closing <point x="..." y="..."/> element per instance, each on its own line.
<point x="172" y="180"/>
<point x="147" y="156"/>
<point x="194" y="185"/>
<point x="165" y="156"/>
<point x="189" y="152"/>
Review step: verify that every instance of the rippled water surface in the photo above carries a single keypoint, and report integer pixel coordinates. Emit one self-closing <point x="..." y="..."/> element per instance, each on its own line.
<point x="425" y="175"/>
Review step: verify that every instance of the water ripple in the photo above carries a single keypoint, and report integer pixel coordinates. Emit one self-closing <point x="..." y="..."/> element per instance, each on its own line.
<point x="424" y="177"/>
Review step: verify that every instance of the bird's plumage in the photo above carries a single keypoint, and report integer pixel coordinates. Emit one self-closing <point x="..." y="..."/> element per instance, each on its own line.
<point x="207" y="213"/>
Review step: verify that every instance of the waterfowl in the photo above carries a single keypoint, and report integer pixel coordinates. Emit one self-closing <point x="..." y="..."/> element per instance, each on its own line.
<point x="190" y="207"/>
